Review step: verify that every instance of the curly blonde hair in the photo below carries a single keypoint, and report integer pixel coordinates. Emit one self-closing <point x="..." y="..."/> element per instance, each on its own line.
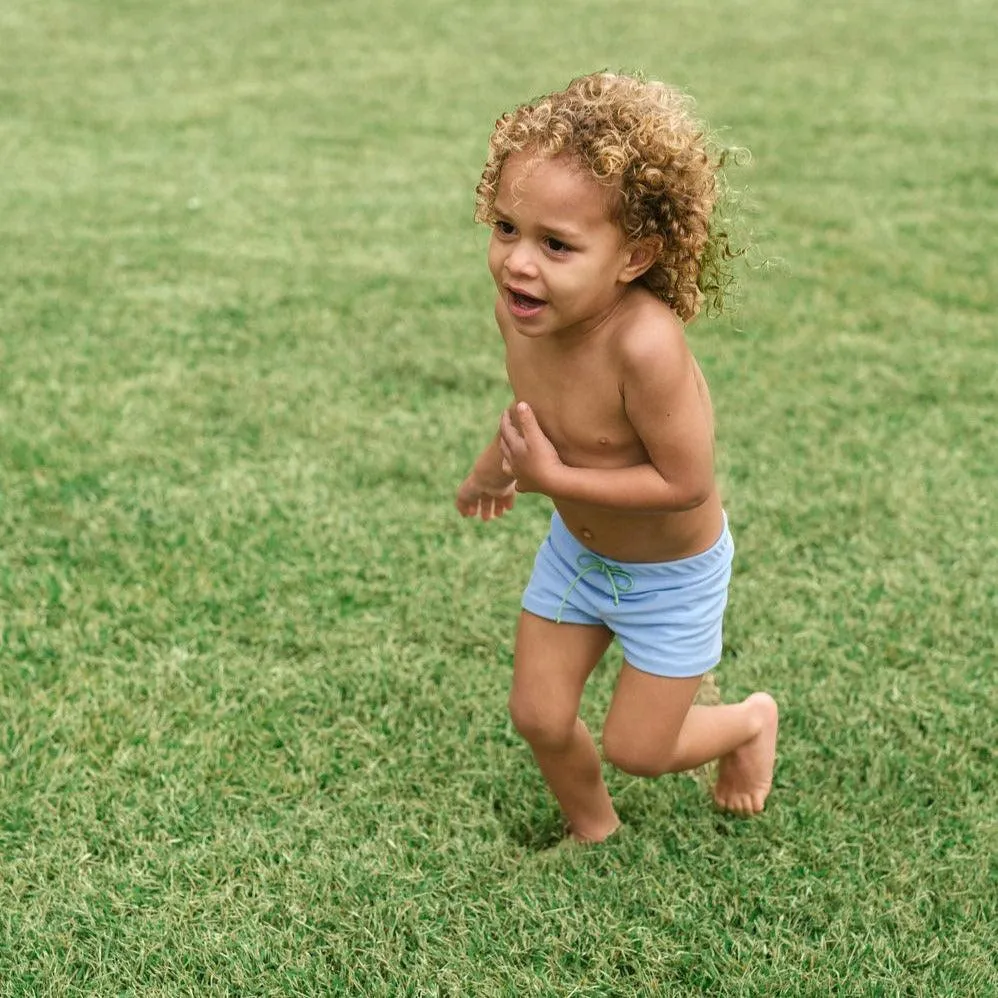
<point x="639" y="139"/>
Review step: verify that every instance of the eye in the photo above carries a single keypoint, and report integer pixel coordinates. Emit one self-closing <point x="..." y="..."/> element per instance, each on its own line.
<point x="504" y="228"/>
<point x="556" y="245"/>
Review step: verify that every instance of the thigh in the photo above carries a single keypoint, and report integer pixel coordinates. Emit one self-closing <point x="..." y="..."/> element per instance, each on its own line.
<point x="552" y="663"/>
<point x="647" y="711"/>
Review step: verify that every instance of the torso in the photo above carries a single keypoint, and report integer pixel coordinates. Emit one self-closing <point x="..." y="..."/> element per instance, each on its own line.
<point x="576" y="392"/>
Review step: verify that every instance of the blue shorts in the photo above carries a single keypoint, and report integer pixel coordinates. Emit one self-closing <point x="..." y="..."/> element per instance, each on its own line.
<point x="667" y="615"/>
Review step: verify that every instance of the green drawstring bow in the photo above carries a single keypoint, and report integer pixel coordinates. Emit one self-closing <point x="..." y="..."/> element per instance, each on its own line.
<point x="620" y="580"/>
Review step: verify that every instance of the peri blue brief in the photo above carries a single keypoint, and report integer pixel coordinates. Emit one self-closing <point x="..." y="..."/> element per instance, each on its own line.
<point x="667" y="615"/>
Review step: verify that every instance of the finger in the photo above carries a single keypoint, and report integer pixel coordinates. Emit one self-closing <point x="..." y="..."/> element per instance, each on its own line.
<point x="509" y="429"/>
<point x="510" y="447"/>
<point x="526" y="418"/>
<point x="505" y="430"/>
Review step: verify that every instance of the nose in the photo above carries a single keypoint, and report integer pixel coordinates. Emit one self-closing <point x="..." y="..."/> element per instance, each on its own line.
<point x="521" y="260"/>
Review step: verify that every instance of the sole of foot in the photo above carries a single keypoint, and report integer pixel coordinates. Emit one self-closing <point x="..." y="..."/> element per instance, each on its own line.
<point x="745" y="776"/>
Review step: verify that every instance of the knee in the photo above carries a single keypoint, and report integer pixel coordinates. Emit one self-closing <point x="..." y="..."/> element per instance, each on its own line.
<point x="540" y="725"/>
<point x="634" y="756"/>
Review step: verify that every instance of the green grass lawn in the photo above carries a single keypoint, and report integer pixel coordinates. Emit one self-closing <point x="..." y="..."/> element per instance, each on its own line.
<point x="253" y="666"/>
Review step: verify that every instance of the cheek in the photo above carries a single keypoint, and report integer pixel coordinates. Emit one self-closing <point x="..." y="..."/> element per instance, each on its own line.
<point x="495" y="256"/>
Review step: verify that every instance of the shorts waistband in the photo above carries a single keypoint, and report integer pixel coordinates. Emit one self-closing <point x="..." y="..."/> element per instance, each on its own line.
<point x="567" y="545"/>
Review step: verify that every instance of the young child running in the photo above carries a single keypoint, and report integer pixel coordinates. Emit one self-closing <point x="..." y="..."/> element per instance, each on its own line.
<point x="600" y="198"/>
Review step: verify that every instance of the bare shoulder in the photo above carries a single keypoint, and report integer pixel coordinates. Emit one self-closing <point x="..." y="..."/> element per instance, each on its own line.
<point x="652" y="341"/>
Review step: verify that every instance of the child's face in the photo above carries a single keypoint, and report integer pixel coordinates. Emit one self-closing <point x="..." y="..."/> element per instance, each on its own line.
<point x="559" y="262"/>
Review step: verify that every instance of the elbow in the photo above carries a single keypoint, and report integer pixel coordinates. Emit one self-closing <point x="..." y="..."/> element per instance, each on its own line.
<point x="685" y="499"/>
<point x="698" y="497"/>
<point x="686" y="491"/>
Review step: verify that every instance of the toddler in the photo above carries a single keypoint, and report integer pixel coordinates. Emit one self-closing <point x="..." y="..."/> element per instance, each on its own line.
<point x="600" y="199"/>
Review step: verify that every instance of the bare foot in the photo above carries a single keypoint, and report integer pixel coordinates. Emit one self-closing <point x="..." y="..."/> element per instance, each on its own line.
<point x="593" y="838"/>
<point x="746" y="774"/>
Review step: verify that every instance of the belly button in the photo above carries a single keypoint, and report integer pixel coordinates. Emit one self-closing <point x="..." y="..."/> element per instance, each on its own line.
<point x="588" y="534"/>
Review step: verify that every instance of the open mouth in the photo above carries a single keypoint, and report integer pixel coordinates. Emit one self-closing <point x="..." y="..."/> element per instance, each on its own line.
<point x="524" y="304"/>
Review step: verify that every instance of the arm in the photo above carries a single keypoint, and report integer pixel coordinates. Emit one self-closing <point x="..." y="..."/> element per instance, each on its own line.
<point x="640" y="488"/>
<point x="663" y="401"/>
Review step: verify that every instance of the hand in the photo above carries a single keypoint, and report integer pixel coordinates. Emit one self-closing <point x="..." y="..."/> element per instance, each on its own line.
<point x="487" y="501"/>
<point x="527" y="454"/>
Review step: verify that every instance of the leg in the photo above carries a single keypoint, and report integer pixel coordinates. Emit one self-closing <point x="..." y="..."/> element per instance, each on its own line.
<point x="551" y="665"/>
<point x="652" y="728"/>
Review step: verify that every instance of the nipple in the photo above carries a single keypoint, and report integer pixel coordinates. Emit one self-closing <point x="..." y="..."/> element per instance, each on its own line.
<point x="604" y="441"/>
<point x="587" y="533"/>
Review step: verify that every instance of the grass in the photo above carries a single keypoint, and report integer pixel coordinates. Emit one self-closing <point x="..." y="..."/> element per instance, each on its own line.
<point x="253" y="667"/>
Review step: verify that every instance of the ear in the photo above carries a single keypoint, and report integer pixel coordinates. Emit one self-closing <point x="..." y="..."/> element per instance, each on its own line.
<point x="639" y="258"/>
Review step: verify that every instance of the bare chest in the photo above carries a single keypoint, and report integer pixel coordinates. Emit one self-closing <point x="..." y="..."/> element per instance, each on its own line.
<point x="580" y="408"/>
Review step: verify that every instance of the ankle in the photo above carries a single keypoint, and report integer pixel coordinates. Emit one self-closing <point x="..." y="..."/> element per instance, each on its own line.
<point x="763" y="713"/>
<point x="757" y="708"/>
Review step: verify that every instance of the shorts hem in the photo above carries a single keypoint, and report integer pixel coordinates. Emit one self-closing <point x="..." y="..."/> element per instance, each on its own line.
<point x="568" y="616"/>
<point x="665" y="672"/>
